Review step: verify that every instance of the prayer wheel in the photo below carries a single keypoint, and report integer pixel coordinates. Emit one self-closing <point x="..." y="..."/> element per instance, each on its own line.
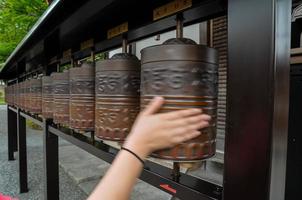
<point x="35" y="96"/>
<point x="82" y="97"/>
<point x="61" y="97"/>
<point x="17" y="95"/>
<point x="12" y="94"/>
<point x="7" y="94"/>
<point x="11" y="91"/>
<point x="185" y="74"/>
<point x="117" y="96"/>
<point x="20" y="85"/>
<point x="22" y="95"/>
<point x="27" y="94"/>
<point x="47" y="97"/>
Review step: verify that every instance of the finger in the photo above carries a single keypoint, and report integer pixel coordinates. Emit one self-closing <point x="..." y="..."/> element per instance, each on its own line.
<point x="188" y="121"/>
<point x="153" y="106"/>
<point x="200" y="125"/>
<point x="181" y="113"/>
<point x="186" y="137"/>
<point x="189" y="128"/>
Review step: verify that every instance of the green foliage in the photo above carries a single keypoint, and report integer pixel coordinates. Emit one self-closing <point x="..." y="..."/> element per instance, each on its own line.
<point x="32" y="125"/>
<point x="64" y="67"/>
<point x="16" y="19"/>
<point x="99" y="56"/>
<point x="2" y="97"/>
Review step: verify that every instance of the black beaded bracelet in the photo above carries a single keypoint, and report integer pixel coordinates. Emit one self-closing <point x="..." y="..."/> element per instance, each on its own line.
<point x="141" y="160"/>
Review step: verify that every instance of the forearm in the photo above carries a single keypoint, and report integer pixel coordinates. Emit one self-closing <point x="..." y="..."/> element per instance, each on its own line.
<point x="120" y="178"/>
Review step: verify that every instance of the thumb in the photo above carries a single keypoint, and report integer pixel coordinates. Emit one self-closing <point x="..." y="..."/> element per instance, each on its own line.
<point x="153" y="106"/>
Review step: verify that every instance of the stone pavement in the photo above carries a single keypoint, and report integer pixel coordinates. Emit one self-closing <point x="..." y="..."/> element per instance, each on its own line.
<point x="9" y="180"/>
<point x="86" y="170"/>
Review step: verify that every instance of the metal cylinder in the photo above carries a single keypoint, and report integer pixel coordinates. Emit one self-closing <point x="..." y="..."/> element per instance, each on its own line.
<point x="27" y="94"/>
<point x="47" y="97"/>
<point x="185" y="74"/>
<point x="11" y="88"/>
<point x="22" y="95"/>
<point x="7" y="94"/>
<point x="11" y="97"/>
<point x="117" y="96"/>
<point x="13" y="94"/>
<point x="35" y="96"/>
<point x="17" y="95"/>
<point x="61" y="97"/>
<point x="82" y="97"/>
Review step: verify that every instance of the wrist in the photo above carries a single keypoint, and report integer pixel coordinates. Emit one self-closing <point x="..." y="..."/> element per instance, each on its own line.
<point x="141" y="150"/>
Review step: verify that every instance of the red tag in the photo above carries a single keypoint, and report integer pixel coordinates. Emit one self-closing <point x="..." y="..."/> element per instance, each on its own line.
<point x="168" y="188"/>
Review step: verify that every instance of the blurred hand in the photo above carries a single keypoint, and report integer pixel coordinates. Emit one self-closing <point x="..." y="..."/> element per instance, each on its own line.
<point x="154" y="131"/>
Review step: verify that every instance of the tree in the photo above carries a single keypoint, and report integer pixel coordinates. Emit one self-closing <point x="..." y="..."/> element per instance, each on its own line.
<point x="16" y="19"/>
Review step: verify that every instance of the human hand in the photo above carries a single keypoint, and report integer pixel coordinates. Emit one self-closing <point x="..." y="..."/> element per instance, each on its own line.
<point x="154" y="131"/>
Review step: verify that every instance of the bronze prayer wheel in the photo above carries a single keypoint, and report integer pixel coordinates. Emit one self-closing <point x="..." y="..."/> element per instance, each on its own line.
<point x="10" y="95"/>
<point x="36" y="96"/>
<point x="61" y="97"/>
<point x="27" y="94"/>
<point x="17" y="95"/>
<point x="7" y="95"/>
<point x="117" y="96"/>
<point x="185" y="74"/>
<point x="47" y="97"/>
<point x="13" y="94"/>
<point x="22" y="95"/>
<point x="82" y="97"/>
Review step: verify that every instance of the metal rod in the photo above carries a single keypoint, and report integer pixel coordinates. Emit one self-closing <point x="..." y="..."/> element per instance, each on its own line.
<point x="58" y="67"/>
<point x="179" y="26"/>
<point x="93" y="56"/>
<point x="72" y="62"/>
<point x="176" y="171"/>
<point x="12" y="133"/>
<point x="210" y="33"/>
<point x="51" y="162"/>
<point x="21" y="127"/>
<point x="125" y="45"/>
<point x="92" y="137"/>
